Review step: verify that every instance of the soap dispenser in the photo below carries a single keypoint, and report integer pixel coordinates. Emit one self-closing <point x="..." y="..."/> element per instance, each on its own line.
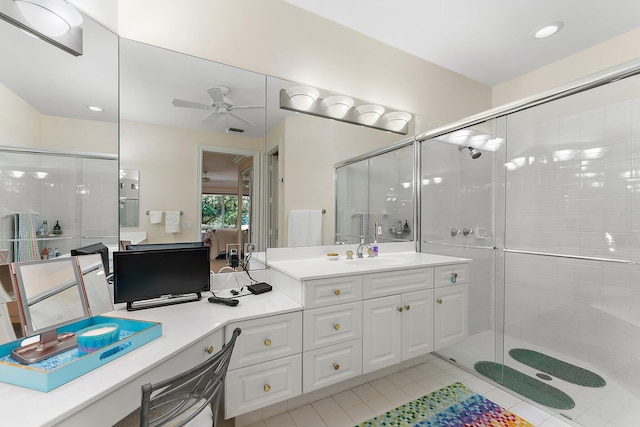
<point x="57" y="229"/>
<point x="406" y="226"/>
<point x="375" y="248"/>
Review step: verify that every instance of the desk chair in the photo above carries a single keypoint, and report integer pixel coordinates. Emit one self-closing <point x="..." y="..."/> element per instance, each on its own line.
<point x="180" y="399"/>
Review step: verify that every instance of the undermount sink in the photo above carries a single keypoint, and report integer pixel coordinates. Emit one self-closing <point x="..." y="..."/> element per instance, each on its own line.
<point x="375" y="261"/>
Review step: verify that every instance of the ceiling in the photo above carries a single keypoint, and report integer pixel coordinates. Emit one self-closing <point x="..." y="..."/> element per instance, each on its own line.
<point x="489" y="41"/>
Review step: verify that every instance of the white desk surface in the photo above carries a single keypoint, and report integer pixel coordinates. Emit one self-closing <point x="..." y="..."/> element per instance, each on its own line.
<point x="98" y="395"/>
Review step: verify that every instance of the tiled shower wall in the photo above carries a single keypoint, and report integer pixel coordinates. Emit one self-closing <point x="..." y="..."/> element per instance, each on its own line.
<point x="565" y="183"/>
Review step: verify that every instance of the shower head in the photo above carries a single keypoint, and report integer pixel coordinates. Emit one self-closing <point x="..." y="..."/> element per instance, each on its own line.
<point x="473" y="152"/>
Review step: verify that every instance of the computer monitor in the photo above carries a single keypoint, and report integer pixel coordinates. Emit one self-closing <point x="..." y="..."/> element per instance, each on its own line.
<point x="152" y="278"/>
<point x="97" y="248"/>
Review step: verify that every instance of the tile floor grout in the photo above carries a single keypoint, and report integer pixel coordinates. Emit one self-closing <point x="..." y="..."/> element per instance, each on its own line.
<point x="361" y="403"/>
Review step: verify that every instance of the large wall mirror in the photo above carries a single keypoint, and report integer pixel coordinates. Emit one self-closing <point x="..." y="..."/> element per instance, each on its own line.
<point x="58" y="157"/>
<point x="195" y="130"/>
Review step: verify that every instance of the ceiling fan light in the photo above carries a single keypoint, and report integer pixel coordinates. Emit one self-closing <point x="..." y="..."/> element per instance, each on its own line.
<point x="396" y="120"/>
<point x="50" y="17"/>
<point x="369" y="114"/>
<point x="337" y="106"/>
<point x="302" y="97"/>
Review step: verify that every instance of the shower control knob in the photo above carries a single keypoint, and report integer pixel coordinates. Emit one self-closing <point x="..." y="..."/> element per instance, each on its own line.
<point x="455" y="232"/>
<point x="466" y="231"/>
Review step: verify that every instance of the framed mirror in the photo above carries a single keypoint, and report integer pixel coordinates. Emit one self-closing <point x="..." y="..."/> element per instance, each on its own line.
<point x="51" y="295"/>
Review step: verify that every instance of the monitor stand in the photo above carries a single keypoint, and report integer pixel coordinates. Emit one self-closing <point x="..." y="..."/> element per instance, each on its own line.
<point x="160" y="302"/>
<point x="49" y="345"/>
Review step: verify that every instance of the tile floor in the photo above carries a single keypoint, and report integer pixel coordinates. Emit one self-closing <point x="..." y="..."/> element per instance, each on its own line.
<point x="358" y="404"/>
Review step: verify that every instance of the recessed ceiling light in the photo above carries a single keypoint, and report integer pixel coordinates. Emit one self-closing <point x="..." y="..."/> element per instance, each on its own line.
<point x="94" y="108"/>
<point x="548" y="30"/>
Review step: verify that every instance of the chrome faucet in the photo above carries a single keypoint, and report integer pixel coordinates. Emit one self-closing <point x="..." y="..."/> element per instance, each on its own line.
<point x="362" y="245"/>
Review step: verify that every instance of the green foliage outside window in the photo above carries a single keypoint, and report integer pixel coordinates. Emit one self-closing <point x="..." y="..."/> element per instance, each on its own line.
<point x="221" y="211"/>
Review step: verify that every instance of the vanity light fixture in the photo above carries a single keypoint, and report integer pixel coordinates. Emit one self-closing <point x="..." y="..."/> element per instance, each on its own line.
<point x="548" y="30"/>
<point x="51" y="17"/>
<point x="321" y="103"/>
<point x="337" y="106"/>
<point x="54" y="21"/>
<point x="369" y="113"/>
<point x="397" y="120"/>
<point x="302" y="97"/>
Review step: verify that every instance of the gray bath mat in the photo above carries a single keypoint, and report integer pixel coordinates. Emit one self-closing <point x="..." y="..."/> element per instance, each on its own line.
<point x="525" y="385"/>
<point x="557" y="368"/>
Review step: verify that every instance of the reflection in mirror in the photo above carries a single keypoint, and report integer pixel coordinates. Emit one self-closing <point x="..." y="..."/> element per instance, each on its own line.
<point x="375" y="197"/>
<point x="51" y="296"/>
<point x="99" y="296"/>
<point x="301" y="152"/>
<point x="190" y="107"/>
<point x="129" y="189"/>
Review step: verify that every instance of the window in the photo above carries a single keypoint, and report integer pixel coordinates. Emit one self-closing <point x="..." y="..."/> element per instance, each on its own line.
<point x="221" y="211"/>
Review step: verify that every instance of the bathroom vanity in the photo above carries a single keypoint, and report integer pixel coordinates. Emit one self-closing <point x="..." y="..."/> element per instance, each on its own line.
<point x="364" y="314"/>
<point x="325" y="321"/>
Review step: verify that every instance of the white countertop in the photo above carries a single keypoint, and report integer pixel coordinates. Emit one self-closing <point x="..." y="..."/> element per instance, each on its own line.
<point x="315" y="268"/>
<point x="182" y="325"/>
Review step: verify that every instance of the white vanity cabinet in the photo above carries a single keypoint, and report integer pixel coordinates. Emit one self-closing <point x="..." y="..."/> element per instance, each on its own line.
<point x="451" y="304"/>
<point x="397" y="326"/>
<point x="332" y="325"/>
<point x="266" y="365"/>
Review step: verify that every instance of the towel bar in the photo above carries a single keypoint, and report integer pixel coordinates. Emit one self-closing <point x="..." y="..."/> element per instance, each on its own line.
<point x="163" y="212"/>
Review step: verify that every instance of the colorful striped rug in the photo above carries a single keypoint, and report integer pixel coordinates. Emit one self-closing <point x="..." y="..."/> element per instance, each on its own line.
<point x="451" y="406"/>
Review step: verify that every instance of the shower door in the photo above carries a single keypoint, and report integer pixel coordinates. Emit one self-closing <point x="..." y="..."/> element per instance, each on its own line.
<point x="462" y="204"/>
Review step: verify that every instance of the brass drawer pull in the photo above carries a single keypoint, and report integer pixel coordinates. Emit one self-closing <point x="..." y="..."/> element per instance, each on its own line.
<point x="454" y="277"/>
<point x="267" y="342"/>
<point x="336" y="326"/>
<point x="400" y="309"/>
<point x="407" y="307"/>
<point x="337" y="291"/>
<point x="208" y="350"/>
<point x="267" y="387"/>
<point x="336" y="366"/>
<point x="439" y="300"/>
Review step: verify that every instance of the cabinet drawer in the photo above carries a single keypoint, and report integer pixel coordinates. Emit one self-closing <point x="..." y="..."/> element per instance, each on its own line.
<point x="448" y="275"/>
<point x="206" y="347"/>
<point x="396" y="282"/>
<point x="331" y="365"/>
<point x="261" y="385"/>
<point x="266" y="339"/>
<point x="332" y="325"/>
<point x="333" y="290"/>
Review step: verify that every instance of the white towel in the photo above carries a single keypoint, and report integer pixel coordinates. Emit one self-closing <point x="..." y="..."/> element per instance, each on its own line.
<point x="305" y="228"/>
<point x="172" y="222"/>
<point x="155" y="217"/>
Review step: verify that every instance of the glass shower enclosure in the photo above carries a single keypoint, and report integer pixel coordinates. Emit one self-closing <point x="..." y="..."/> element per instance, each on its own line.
<point x="549" y="213"/>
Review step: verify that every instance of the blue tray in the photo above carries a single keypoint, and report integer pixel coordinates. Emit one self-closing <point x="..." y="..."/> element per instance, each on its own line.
<point x="57" y="370"/>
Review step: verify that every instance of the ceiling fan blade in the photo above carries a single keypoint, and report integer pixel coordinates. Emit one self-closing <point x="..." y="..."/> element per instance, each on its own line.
<point x="190" y="104"/>
<point x="211" y="118"/>
<point x="246" y="107"/>
<point x="241" y="119"/>
<point x="216" y="93"/>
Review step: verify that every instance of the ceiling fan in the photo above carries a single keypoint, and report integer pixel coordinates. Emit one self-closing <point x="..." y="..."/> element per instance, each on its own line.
<point x="220" y="106"/>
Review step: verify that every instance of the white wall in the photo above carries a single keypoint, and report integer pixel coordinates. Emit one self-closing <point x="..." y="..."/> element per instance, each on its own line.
<point x="615" y="51"/>
<point x="275" y="38"/>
